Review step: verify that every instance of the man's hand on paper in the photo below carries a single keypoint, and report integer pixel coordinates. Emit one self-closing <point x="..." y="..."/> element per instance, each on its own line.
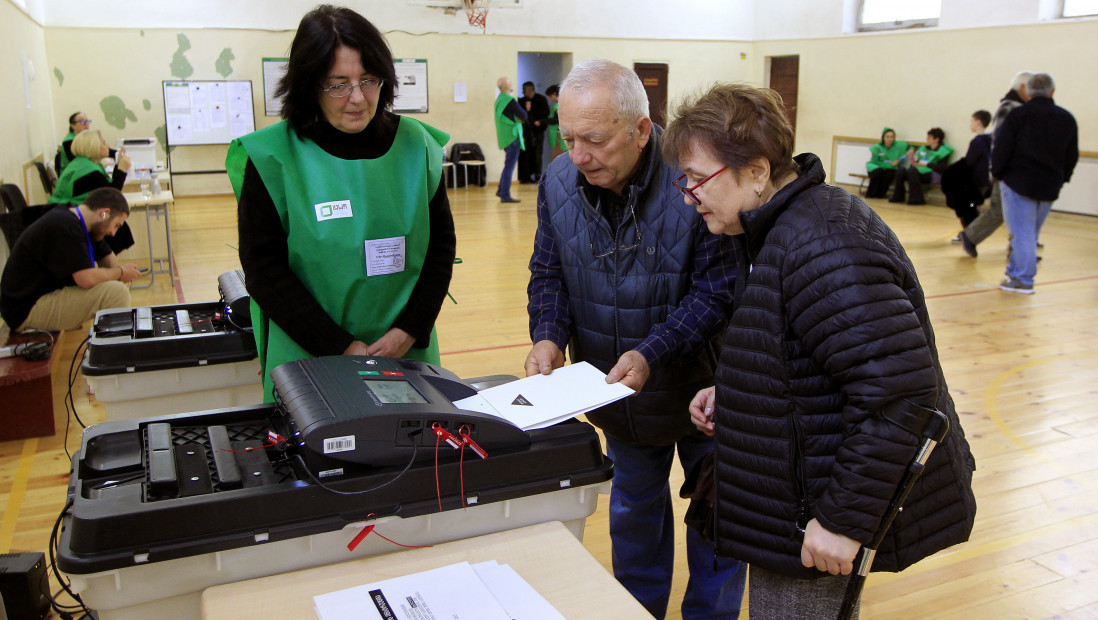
<point x="631" y="371"/>
<point x="544" y="358"/>
<point x="701" y="410"/>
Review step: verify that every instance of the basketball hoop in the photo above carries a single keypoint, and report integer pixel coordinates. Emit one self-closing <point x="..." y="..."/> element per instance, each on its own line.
<point x="477" y="12"/>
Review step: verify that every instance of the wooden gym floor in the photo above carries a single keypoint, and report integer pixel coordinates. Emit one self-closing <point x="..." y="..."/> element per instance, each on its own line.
<point x="1023" y="370"/>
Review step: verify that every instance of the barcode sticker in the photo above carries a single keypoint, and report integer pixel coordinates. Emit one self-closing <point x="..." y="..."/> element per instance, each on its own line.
<point x="339" y="444"/>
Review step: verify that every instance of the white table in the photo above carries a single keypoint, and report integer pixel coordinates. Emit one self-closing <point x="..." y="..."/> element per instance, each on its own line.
<point x="155" y="205"/>
<point x="547" y="556"/>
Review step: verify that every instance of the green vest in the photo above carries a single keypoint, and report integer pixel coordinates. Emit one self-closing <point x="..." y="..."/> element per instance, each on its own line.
<point x="331" y="210"/>
<point x="881" y="157"/>
<point x="63" y="157"/>
<point x="927" y="159"/>
<point x="507" y="130"/>
<point x="554" y="131"/>
<point x="77" y="168"/>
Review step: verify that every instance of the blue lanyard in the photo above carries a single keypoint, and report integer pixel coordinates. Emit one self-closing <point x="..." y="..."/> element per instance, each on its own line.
<point x="87" y="237"/>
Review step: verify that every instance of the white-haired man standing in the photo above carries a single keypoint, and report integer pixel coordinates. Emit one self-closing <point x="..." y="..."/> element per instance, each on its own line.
<point x="628" y="277"/>
<point x="1035" y="153"/>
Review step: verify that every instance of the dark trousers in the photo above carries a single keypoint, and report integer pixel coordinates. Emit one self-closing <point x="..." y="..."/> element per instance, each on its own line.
<point x="879" y="180"/>
<point x="529" y="163"/>
<point x="909" y="176"/>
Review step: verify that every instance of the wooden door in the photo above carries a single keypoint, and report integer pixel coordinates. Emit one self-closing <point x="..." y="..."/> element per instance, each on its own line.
<point x="654" y="78"/>
<point x="783" y="78"/>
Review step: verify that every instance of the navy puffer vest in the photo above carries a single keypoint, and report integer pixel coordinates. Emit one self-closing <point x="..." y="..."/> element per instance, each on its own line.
<point x="616" y="299"/>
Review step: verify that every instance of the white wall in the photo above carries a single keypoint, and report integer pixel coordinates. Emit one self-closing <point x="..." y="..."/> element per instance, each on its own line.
<point x="27" y="131"/>
<point x="643" y="19"/>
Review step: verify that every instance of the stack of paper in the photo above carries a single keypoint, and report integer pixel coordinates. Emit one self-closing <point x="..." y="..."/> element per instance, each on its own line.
<point x="542" y="400"/>
<point x="485" y="591"/>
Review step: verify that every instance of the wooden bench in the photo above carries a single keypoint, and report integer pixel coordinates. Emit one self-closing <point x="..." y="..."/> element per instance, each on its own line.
<point x="848" y="152"/>
<point x="26" y="393"/>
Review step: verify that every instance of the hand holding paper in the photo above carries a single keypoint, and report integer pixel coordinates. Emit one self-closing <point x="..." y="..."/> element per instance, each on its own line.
<point x="542" y="400"/>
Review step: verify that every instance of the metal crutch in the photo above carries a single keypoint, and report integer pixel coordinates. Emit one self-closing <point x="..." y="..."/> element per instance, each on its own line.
<point x="933" y="426"/>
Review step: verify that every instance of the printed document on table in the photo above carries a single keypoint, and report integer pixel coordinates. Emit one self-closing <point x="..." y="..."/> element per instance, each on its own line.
<point x="542" y="400"/>
<point x="518" y="598"/>
<point x="453" y="592"/>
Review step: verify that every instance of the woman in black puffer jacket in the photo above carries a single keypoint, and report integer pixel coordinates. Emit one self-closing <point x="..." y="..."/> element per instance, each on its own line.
<point x="829" y="329"/>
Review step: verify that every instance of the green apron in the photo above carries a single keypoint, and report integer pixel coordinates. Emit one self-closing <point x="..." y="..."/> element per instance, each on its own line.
<point x="331" y="209"/>
<point x="507" y="130"/>
<point x="926" y="159"/>
<point x="63" y="157"/>
<point x="76" y="169"/>
<point x="554" y="131"/>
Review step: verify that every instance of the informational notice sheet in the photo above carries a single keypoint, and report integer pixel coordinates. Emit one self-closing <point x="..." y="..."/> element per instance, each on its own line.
<point x="542" y="400"/>
<point x="454" y="592"/>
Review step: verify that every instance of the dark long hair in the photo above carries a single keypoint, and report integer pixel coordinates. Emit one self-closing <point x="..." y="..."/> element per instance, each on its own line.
<point x="321" y="32"/>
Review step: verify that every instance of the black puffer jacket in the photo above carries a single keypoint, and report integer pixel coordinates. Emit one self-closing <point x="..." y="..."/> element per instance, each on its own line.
<point x="830" y="327"/>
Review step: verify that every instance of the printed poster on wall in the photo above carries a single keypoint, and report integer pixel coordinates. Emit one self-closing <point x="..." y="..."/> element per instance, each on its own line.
<point x="411" y="94"/>
<point x="273" y="70"/>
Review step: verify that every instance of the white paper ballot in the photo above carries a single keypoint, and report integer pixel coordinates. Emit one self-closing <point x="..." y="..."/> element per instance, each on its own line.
<point x="518" y="598"/>
<point x="453" y="592"/>
<point x="542" y="400"/>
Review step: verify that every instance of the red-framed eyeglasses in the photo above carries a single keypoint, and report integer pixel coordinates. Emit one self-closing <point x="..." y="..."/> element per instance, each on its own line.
<point x="689" y="191"/>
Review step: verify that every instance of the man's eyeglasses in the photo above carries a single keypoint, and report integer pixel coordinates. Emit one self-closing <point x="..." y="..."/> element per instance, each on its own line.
<point x="368" y="85"/>
<point x="680" y="184"/>
<point x="623" y="247"/>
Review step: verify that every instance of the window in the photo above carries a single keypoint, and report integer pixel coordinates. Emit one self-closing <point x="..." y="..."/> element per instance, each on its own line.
<point x="1079" y="8"/>
<point x="898" y="14"/>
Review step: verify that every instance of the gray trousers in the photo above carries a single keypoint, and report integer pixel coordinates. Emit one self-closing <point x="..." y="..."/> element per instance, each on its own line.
<point x="988" y="221"/>
<point x="776" y="597"/>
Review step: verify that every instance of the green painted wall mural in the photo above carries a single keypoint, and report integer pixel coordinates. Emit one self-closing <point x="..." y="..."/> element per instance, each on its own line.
<point x="115" y="112"/>
<point x="60" y="76"/>
<point x="161" y="133"/>
<point x="181" y="67"/>
<point x="224" y="64"/>
<point x="145" y="103"/>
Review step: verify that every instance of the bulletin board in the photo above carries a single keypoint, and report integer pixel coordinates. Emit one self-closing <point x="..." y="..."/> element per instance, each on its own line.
<point x="207" y="111"/>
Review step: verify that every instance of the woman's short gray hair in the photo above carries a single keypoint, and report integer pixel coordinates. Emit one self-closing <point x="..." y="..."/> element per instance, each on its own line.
<point x="1019" y="80"/>
<point x="1040" y="85"/>
<point x="624" y="84"/>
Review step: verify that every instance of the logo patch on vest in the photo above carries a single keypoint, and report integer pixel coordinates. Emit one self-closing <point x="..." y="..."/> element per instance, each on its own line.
<point x="333" y="210"/>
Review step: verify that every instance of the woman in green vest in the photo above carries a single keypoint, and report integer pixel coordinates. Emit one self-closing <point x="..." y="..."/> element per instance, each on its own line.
<point x="346" y="237"/>
<point x="85" y="173"/>
<point x="555" y="141"/>
<point x="925" y="166"/>
<point x="78" y="122"/>
<point x="884" y="158"/>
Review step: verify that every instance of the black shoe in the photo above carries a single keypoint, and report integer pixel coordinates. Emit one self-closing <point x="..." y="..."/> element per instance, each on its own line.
<point x="968" y="245"/>
<point x="916" y="202"/>
<point x="509" y="199"/>
<point x="895" y="199"/>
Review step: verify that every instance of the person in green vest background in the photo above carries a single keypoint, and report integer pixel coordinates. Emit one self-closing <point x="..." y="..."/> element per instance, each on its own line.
<point x="346" y="237"/>
<point x="509" y="118"/>
<point x="884" y="158"/>
<point x="85" y="173"/>
<point x="924" y="166"/>
<point x="78" y="122"/>
<point x="555" y="141"/>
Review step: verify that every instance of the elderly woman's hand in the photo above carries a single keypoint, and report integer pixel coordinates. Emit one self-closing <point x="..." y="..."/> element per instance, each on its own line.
<point x="701" y="410"/>
<point x="828" y="552"/>
<point x="123" y="162"/>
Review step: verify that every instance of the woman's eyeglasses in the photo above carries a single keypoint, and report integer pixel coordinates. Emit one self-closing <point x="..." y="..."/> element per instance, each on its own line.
<point x="680" y="184"/>
<point x="84" y="122"/>
<point x="368" y="85"/>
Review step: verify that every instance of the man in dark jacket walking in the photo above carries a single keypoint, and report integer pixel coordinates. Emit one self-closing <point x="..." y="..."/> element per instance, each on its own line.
<point x="628" y="279"/>
<point x="1034" y="155"/>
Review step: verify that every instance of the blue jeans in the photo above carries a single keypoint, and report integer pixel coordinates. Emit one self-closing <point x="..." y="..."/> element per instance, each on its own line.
<point x="1024" y="217"/>
<point x="642" y="534"/>
<point x="510" y="158"/>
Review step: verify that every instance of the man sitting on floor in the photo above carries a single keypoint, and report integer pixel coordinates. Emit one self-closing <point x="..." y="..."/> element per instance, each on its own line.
<point x="52" y="281"/>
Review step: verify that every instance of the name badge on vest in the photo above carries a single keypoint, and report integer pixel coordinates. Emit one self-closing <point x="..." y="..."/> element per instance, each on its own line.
<point x="333" y="210"/>
<point x="384" y="256"/>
